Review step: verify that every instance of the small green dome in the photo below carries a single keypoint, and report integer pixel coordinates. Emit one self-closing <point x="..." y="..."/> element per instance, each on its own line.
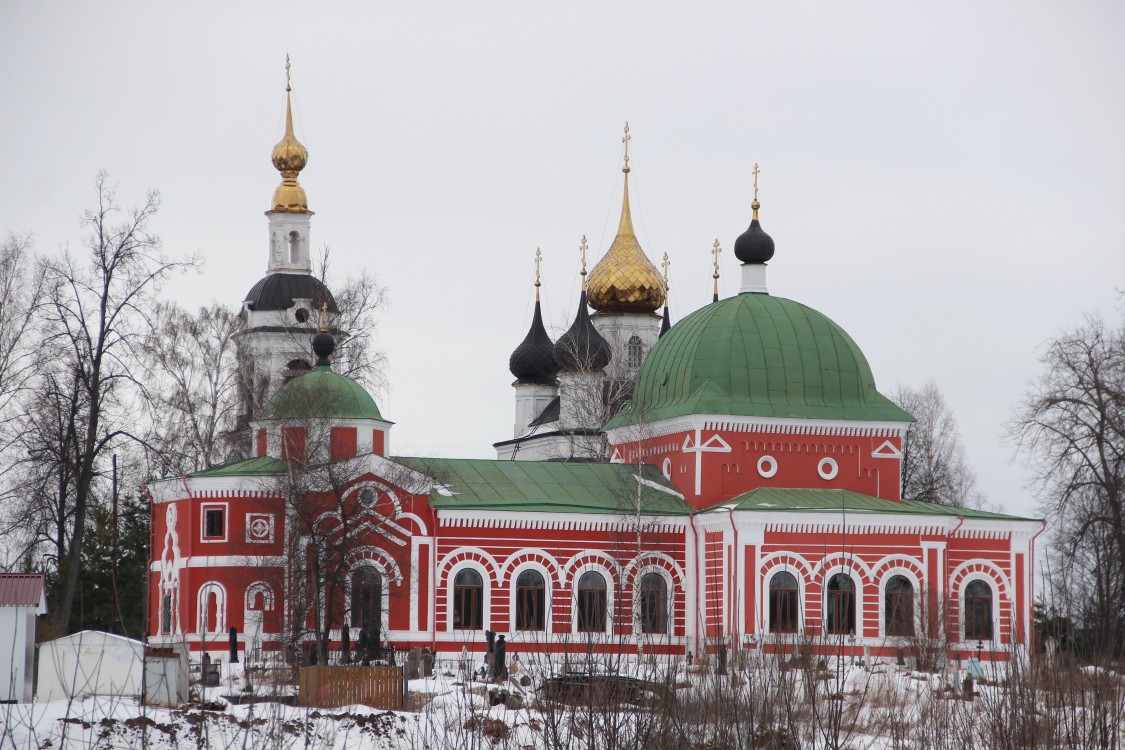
<point x="755" y="355"/>
<point x="319" y="394"/>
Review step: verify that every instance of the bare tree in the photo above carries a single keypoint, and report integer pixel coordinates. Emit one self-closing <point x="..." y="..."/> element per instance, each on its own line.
<point x="934" y="468"/>
<point x="1071" y="430"/>
<point x="21" y="291"/>
<point x="194" y="391"/>
<point x="96" y="309"/>
<point x="360" y="299"/>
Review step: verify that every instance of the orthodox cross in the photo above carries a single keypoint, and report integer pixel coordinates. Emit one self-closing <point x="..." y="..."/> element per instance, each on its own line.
<point x="625" y="139"/>
<point x="287" y="88"/>
<point x="538" y="261"/>
<point x="664" y="264"/>
<point x="582" y="254"/>
<point x="756" y="171"/>
<point x="715" y="250"/>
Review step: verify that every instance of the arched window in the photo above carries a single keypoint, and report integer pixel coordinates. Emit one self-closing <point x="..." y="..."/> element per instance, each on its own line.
<point x="294" y="246"/>
<point x="784" y="603"/>
<point x="654" y="603"/>
<point x="635" y="351"/>
<point x="591" y="603"/>
<point x="367" y="598"/>
<point x="978" y="611"/>
<point x="468" y="600"/>
<point x="531" y="599"/>
<point x="840" y="611"/>
<point x="898" y="606"/>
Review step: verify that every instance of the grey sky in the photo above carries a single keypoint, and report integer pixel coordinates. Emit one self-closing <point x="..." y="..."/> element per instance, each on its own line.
<point x="944" y="181"/>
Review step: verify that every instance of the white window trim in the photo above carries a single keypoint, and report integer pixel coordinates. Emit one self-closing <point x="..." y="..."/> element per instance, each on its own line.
<point x="994" y="587"/>
<point x="917" y="614"/>
<point x="765" y="599"/>
<point x="592" y="567"/>
<point x="220" y="625"/>
<point x="857" y="579"/>
<point x="486" y="598"/>
<point x="669" y="591"/>
<point x="203" y="508"/>
<point x="548" y="596"/>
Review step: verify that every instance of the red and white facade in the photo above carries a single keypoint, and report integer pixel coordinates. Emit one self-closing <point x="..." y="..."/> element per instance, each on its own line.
<point x="224" y="546"/>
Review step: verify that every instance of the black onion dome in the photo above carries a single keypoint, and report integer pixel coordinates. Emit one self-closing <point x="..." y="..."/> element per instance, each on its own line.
<point x="323" y="345"/>
<point x="533" y="361"/>
<point x="278" y="290"/>
<point x="754" y="245"/>
<point x="582" y="348"/>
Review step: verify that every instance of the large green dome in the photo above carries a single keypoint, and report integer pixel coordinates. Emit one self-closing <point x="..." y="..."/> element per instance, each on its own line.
<point x="319" y="394"/>
<point x="755" y="355"/>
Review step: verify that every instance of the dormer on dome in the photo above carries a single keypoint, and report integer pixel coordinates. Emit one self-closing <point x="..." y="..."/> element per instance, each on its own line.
<point x="625" y="280"/>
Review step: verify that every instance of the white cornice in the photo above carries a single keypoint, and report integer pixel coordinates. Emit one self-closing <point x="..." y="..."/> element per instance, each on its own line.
<point x="771" y="425"/>
<point x="273" y="485"/>
<point x="510" y="519"/>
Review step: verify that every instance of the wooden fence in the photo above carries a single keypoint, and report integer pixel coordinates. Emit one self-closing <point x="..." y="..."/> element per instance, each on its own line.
<point x="335" y="686"/>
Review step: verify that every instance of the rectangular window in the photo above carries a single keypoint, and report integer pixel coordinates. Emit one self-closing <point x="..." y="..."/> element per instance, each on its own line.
<point x="214" y="526"/>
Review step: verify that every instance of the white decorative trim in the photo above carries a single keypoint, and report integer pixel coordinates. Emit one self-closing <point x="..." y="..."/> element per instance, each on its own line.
<point x="827" y="468"/>
<point x="260" y="528"/>
<point x="514" y="562"/>
<point x="764" y="472"/>
<point x="886" y="450"/>
<point x="449" y="563"/>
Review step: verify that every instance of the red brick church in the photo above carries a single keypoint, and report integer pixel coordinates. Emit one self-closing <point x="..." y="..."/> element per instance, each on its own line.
<point x="737" y="485"/>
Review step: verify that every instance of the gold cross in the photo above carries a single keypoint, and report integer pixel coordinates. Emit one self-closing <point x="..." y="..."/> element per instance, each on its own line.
<point x="715" y="250"/>
<point x="538" y="260"/>
<point x="324" y="318"/>
<point x="582" y="253"/>
<point x="664" y="264"/>
<point x="756" y="171"/>
<point x="287" y="88"/>
<point x="626" y="140"/>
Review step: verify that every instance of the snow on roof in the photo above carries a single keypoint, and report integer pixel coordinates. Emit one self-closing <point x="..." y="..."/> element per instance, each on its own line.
<point x="23" y="590"/>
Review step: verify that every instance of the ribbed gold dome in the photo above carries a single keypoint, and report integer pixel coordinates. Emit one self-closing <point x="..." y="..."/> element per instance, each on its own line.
<point x="289" y="157"/>
<point x="625" y="280"/>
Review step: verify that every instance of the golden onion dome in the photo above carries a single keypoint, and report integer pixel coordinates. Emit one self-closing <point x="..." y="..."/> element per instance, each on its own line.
<point x="289" y="157"/>
<point x="625" y="280"/>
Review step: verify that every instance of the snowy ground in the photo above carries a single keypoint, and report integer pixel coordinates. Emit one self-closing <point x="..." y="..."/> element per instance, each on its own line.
<point x="452" y="714"/>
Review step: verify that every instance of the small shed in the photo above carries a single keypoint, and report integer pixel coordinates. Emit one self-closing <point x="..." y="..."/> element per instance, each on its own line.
<point x="89" y="663"/>
<point x="22" y="597"/>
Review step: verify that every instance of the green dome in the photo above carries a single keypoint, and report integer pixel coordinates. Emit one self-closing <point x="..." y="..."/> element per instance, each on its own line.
<point x="320" y="394"/>
<point x="757" y="356"/>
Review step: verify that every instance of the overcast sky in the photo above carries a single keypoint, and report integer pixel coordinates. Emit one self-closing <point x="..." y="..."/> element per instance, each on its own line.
<point x="945" y="182"/>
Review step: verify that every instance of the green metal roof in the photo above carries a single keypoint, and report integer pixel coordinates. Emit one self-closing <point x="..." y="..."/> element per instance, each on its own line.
<point x="757" y="355"/>
<point x="246" y="467"/>
<point x="547" y="486"/>
<point x="776" y="499"/>
<point x="322" y="393"/>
